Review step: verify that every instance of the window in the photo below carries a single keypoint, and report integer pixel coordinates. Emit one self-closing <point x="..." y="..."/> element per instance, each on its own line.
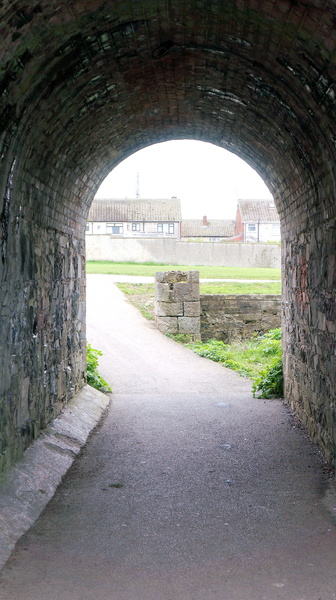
<point x="88" y="228"/>
<point x="135" y="226"/>
<point x="275" y="228"/>
<point x="251" y="227"/>
<point x="165" y="227"/>
<point x="114" y="228"/>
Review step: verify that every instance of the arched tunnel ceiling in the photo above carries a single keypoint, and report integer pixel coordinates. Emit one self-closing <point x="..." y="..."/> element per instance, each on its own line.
<point x="84" y="84"/>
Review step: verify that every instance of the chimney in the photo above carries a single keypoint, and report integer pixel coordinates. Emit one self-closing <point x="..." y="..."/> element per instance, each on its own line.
<point x="205" y="221"/>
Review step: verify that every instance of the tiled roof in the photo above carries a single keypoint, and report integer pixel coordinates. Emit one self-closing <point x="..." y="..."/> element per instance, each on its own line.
<point x="263" y="211"/>
<point x="135" y="210"/>
<point x="214" y="228"/>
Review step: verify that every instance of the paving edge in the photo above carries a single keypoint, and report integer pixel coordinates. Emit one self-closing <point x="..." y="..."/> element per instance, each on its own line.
<point x="27" y="487"/>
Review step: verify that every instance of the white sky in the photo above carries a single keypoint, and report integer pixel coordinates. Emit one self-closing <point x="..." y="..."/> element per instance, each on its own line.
<point x="207" y="179"/>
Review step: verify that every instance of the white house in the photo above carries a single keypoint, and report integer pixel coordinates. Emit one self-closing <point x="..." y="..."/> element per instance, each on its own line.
<point x="257" y="221"/>
<point x="135" y="218"/>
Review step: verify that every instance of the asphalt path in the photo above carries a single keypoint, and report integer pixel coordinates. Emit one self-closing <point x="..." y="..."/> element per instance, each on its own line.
<point x="189" y="490"/>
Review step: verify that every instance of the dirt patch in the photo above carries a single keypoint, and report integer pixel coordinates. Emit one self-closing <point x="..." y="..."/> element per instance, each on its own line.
<point x="142" y="296"/>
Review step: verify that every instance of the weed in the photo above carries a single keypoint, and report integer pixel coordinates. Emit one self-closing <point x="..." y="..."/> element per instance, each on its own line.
<point x="181" y="338"/>
<point x="92" y="376"/>
<point x="270" y="382"/>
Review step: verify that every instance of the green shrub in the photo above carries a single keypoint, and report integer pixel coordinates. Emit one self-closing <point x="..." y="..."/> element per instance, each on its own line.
<point x="92" y="376"/>
<point x="259" y="358"/>
<point x="270" y="381"/>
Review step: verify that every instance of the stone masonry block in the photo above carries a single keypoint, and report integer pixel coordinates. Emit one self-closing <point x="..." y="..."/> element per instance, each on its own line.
<point x="167" y="324"/>
<point x="193" y="276"/>
<point x="192" y="309"/>
<point x="169" y="309"/>
<point x="186" y="292"/>
<point x="189" y="325"/>
<point x="171" y="277"/>
<point x="163" y="293"/>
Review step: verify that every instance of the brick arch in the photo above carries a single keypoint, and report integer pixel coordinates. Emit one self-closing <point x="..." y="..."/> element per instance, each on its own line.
<point x="86" y="84"/>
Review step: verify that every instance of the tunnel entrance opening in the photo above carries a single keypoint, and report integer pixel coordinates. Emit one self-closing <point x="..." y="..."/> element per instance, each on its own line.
<point x="92" y="83"/>
<point x="204" y="177"/>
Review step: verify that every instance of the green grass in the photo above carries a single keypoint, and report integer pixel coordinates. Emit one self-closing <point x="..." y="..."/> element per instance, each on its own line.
<point x="148" y="270"/>
<point x="239" y="287"/>
<point x="259" y="358"/>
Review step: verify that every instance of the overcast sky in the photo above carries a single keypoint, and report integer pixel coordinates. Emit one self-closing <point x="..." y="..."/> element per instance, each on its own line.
<point x="207" y="179"/>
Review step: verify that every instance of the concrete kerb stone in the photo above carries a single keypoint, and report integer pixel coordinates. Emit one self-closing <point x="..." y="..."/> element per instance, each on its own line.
<point x="27" y="488"/>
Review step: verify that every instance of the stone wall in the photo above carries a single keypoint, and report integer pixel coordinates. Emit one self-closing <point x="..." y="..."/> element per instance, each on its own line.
<point x="230" y="318"/>
<point x="177" y="302"/>
<point x="179" y="308"/>
<point x="182" y="252"/>
<point x="310" y="318"/>
<point x="42" y="318"/>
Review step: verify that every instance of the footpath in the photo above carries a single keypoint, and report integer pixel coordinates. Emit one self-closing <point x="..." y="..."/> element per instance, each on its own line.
<point x="190" y="489"/>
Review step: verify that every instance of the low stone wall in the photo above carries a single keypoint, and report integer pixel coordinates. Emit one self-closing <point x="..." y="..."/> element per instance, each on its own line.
<point x="181" y="252"/>
<point x="177" y="302"/>
<point x="179" y="308"/>
<point x="229" y="318"/>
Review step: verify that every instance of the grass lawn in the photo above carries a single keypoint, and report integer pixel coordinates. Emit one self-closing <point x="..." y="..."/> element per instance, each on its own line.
<point x="148" y="270"/>
<point x="141" y="295"/>
<point x="240" y="287"/>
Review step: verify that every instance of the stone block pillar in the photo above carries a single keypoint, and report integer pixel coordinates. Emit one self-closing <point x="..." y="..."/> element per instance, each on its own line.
<point x="177" y="302"/>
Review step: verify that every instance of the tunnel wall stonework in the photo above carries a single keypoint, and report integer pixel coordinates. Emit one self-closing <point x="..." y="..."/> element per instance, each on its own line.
<point x="309" y="315"/>
<point x="83" y="85"/>
<point x="42" y="324"/>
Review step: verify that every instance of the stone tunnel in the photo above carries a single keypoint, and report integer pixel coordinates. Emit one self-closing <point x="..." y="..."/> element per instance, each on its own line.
<point x="85" y="84"/>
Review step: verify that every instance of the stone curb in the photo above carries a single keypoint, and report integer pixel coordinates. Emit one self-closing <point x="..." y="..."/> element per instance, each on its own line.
<point x="27" y="488"/>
